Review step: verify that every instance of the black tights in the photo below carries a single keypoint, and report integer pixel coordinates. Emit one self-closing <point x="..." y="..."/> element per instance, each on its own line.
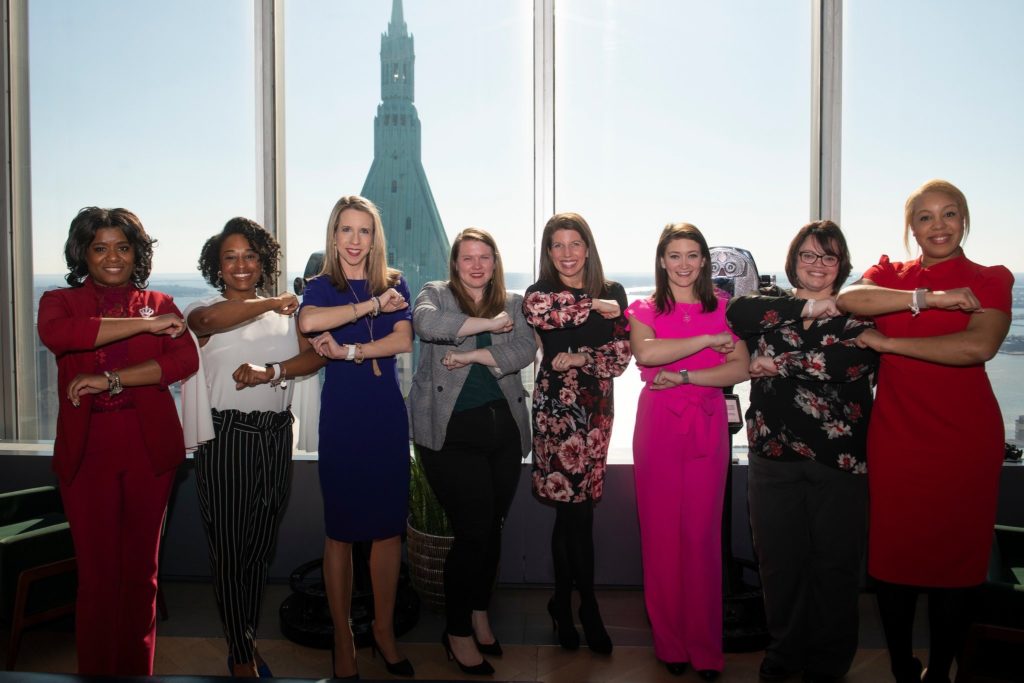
<point x="572" y="549"/>
<point x="949" y="615"/>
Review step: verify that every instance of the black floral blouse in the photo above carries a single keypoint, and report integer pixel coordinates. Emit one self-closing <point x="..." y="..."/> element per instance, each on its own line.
<point x="818" y="405"/>
<point x="573" y="410"/>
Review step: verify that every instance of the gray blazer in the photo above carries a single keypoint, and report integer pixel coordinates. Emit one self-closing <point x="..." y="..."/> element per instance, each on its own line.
<point x="436" y="318"/>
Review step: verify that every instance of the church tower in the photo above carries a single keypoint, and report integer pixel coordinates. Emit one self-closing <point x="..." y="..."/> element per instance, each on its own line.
<point x="397" y="183"/>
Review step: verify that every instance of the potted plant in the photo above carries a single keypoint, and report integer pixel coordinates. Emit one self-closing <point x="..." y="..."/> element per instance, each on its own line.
<point x="430" y="537"/>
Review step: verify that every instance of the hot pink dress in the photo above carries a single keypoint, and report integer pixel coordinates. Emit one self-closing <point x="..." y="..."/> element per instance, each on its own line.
<point x="680" y="461"/>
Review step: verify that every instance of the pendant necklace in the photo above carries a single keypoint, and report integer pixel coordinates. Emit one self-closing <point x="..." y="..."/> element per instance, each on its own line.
<point x="368" y="319"/>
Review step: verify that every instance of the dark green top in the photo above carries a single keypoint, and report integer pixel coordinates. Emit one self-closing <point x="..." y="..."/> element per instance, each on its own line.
<point x="481" y="386"/>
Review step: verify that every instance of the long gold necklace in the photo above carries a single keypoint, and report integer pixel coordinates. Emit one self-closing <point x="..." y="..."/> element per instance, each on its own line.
<point x="368" y="319"/>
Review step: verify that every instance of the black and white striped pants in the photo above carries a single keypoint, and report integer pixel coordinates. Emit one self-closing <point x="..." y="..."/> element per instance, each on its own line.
<point x="242" y="478"/>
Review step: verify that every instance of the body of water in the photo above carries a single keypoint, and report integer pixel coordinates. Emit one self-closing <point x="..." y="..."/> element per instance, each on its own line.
<point x="1006" y="371"/>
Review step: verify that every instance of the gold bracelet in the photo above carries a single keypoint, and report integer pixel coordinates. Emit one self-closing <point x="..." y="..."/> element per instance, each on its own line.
<point x="359" y="354"/>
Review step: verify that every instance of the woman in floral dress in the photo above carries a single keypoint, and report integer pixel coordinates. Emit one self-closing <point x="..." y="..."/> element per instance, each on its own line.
<point x="578" y="317"/>
<point x="810" y="399"/>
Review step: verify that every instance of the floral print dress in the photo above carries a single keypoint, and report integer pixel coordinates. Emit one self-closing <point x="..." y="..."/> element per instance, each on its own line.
<point x="573" y="410"/>
<point x="818" y="405"/>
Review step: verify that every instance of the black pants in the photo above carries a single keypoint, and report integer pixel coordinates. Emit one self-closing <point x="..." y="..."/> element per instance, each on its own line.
<point x="809" y="523"/>
<point x="242" y="480"/>
<point x="474" y="477"/>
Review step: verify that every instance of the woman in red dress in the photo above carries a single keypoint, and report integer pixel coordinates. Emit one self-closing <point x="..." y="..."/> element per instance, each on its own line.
<point x="119" y="346"/>
<point x="935" y="462"/>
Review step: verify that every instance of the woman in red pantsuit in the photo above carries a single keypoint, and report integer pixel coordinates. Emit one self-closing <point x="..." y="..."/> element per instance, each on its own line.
<point x="935" y="460"/>
<point x="119" y="441"/>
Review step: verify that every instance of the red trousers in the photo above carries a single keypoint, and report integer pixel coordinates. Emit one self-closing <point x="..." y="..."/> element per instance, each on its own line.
<point x="115" y="506"/>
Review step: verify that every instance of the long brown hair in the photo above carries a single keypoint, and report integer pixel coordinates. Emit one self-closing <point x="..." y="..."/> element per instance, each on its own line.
<point x="594" y="283"/>
<point x="378" y="275"/>
<point x="703" y="286"/>
<point x="493" y="301"/>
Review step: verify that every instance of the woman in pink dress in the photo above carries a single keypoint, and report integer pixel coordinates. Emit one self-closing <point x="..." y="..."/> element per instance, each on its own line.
<point x="686" y="353"/>
<point x="936" y="435"/>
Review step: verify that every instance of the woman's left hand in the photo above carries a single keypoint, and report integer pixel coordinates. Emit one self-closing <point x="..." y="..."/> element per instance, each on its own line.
<point x="565" y="361"/>
<point x="871" y="339"/>
<point x="607" y="308"/>
<point x="391" y="300"/>
<point x="762" y="366"/>
<point x="86" y="384"/>
<point x="453" y="360"/>
<point x="325" y="345"/>
<point x="251" y="375"/>
<point x="666" y="379"/>
<point x="722" y="343"/>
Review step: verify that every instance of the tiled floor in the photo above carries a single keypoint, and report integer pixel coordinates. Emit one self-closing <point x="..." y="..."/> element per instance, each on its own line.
<point x="190" y="642"/>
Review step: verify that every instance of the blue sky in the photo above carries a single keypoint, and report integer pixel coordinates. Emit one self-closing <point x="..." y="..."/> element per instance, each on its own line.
<point x="666" y="111"/>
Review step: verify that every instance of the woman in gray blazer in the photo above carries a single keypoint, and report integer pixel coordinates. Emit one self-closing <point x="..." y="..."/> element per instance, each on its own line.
<point x="471" y="427"/>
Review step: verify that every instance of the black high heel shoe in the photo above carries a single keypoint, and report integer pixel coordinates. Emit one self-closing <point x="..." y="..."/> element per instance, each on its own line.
<point x="598" y="639"/>
<point x="676" y="668"/>
<point x="402" y="667"/>
<point x="493" y="649"/>
<point x="561" y="623"/>
<point x="484" y="668"/>
<point x="335" y="677"/>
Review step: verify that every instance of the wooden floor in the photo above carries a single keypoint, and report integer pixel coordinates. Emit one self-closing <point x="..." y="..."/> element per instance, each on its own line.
<point x="205" y="656"/>
<point x="189" y="643"/>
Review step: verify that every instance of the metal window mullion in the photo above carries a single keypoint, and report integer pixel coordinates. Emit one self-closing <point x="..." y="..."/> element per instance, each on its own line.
<point x="17" y="317"/>
<point x="826" y="108"/>
<point x="543" y="116"/>
<point x="270" y="171"/>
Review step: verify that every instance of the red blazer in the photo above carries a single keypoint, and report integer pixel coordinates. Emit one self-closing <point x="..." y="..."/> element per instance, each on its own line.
<point x="68" y="325"/>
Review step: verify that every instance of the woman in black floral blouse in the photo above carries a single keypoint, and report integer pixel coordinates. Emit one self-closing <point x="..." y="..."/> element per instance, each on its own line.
<point x="810" y="398"/>
<point x="578" y="317"/>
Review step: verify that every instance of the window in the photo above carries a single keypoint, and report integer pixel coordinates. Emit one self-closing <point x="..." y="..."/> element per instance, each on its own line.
<point x="470" y="163"/>
<point x="700" y="116"/>
<point x="124" y="112"/>
<point x="946" y="113"/>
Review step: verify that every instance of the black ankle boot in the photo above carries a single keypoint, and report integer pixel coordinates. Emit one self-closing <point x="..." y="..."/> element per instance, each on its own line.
<point x="598" y="639"/>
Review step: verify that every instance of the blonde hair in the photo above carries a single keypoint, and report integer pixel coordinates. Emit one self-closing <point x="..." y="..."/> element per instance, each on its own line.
<point x="379" y="276"/>
<point x="942" y="187"/>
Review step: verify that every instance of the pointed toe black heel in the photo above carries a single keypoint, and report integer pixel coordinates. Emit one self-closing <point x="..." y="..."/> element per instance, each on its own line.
<point x="597" y="636"/>
<point x="484" y="668"/>
<point x="561" y="623"/>
<point x="334" y="676"/>
<point x="493" y="649"/>
<point x="676" y="668"/>
<point x="402" y="667"/>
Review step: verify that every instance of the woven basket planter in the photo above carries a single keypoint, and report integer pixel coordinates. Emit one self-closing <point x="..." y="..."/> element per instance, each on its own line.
<point x="427" y="554"/>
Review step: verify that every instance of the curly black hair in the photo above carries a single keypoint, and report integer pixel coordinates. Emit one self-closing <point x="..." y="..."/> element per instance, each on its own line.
<point x="261" y="241"/>
<point x="83" y="232"/>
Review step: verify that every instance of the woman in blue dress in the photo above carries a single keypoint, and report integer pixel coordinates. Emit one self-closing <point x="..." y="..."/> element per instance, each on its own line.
<point x="358" y="310"/>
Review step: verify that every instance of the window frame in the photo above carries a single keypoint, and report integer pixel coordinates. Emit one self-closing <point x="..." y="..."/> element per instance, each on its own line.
<point x="17" y="374"/>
